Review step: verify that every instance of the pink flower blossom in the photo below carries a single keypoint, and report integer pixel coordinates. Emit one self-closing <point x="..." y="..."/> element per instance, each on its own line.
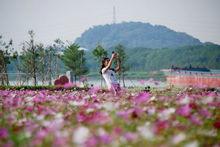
<point x="205" y="113"/>
<point x="195" y="120"/>
<point x="142" y="97"/>
<point x="160" y="126"/>
<point x="3" y="133"/>
<point x="91" y="141"/>
<point x="94" y="117"/>
<point x="184" y="110"/>
<point x="106" y="138"/>
<point x="129" y="136"/>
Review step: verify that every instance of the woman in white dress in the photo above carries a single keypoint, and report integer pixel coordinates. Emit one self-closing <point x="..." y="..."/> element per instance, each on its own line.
<point x="109" y="74"/>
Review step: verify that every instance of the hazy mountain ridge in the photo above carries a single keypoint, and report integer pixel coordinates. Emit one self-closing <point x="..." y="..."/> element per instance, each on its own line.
<point x="135" y="34"/>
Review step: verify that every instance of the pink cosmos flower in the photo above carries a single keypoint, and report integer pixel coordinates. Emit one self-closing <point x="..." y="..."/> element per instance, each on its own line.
<point x="8" y="144"/>
<point x="142" y="97"/>
<point x="41" y="134"/>
<point x="205" y="113"/>
<point x="129" y="136"/>
<point x="94" y="90"/>
<point x="106" y="138"/>
<point x="94" y="117"/>
<point x="195" y="120"/>
<point x="184" y="110"/>
<point x="60" y="141"/>
<point x="91" y="141"/>
<point x="123" y="114"/>
<point x="159" y="126"/>
<point x="3" y="133"/>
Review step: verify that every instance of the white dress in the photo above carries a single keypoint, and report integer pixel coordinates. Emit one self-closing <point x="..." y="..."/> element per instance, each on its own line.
<point x="110" y="77"/>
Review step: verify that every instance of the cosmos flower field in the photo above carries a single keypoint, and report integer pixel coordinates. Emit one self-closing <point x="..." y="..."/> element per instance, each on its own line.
<point x="169" y="117"/>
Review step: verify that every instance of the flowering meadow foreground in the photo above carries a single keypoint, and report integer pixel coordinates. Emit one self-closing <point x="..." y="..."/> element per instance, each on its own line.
<point x="171" y="117"/>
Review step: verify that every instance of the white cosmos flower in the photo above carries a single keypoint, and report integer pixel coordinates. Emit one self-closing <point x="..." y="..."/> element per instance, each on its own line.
<point x="27" y="134"/>
<point x="165" y="114"/>
<point x="152" y="98"/>
<point x="178" y="138"/>
<point x="210" y="133"/>
<point x="207" y="100"/>
<point x="185" y="100"/>
<point x="101" y="131"/>
<point x="89" y="110"/>
<point x="58" y="115"/>
<point x="146" y="131"/>
<point x="192" y="144"/>
<point x="40" y="117"/>
<point x="109" y="106"/>
<point x="28" y="98"/>
<point x="46" y="123"/>
<point x="80" y="135"/>
<point x="76" y="103"/>
<point x="87" y="97"/>
<point x="151" y="111"/>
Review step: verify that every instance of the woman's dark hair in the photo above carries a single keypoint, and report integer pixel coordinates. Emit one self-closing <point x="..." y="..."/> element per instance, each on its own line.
<point x="103" y="63"/>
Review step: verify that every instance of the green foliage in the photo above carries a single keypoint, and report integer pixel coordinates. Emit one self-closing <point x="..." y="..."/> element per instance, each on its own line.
<point x="6" y="51"/>
<point x="99" y="52"/>
<point x="120" y="49"/>
<point x="145" y="59"/>
<point x="122" y="61"/>
<point x="156" y="59"/>
<point x="30" y="58"/>
<point x="74" y="59"/>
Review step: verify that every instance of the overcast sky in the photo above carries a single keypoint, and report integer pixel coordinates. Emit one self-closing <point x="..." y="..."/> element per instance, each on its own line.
<point x="68" y="19"/>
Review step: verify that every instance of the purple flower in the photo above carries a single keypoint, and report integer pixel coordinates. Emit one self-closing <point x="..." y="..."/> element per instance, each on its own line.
<point x="94" y="90"/>
<point x="205" y="113"/>
<point x="184" y="110"/>
<point x="41" y="134"/>
<point x="142" y="97"/>
<point x="106" y="138"/>
<point x="130" y="136"/>
<point x="91" y="141"/>
<point x="123" y="114"/>
<point x="195" y="120"/>
<point x="3" y="133"/>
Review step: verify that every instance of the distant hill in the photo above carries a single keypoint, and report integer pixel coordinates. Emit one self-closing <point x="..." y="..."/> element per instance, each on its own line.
<point x="135" y="34"/>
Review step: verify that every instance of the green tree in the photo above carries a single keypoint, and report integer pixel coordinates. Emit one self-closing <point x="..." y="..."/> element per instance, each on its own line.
<point x="43" y="67"/>
<point x="29" y="58"/>
<point x="6" y="50"/>
<point x="122" y="59"/>
<point x="74" y="59"/>
<point x="58" y="47"/>
<point x="99" y="52"/>
<point x="52" y="59"/>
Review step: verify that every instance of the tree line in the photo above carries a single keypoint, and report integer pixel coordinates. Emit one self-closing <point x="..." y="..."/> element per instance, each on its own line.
<point x="37" y="62"/>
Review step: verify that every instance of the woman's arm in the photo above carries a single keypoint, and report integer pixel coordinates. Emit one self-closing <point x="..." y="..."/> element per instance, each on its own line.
<point x="109" y="63"/>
